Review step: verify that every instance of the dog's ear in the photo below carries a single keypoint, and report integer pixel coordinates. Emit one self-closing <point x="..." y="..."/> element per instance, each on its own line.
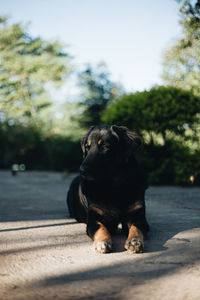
<point x="132" y="140"/>
<point x="84" y="139"/>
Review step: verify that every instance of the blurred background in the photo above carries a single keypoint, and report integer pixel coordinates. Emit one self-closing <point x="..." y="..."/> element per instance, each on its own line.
<point x="66" y="65"/>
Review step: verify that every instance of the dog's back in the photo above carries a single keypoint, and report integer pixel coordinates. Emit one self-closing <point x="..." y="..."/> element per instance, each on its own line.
<point x="76" y="201"/>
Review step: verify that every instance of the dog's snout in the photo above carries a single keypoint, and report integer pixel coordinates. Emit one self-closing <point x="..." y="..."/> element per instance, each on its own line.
<point x="83" y="170"/>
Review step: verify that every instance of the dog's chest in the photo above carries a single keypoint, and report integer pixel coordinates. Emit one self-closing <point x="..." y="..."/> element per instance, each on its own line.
<point x="114" y="197"/>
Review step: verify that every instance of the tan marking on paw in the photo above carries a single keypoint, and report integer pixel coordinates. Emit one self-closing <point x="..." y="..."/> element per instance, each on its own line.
<point x="102" y="239"/>
<point x="134" y="232"/>
<point x="135" y="240"/>
<point x="134" y="246"/>
<point x="103" y="247"/>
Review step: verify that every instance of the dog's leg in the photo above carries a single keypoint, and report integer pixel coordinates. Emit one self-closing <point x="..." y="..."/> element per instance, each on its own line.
<point x="101" y="236"/>
<point x="135" y="240"/>
<point x="137" y="227"/>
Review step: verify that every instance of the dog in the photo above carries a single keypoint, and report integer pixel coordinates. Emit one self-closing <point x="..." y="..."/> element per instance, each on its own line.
<point x="110" y="189"/>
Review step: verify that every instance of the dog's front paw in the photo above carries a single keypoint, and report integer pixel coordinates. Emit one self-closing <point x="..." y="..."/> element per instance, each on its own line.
<point x="103" y="247"/>
<point x="134" y="245"/>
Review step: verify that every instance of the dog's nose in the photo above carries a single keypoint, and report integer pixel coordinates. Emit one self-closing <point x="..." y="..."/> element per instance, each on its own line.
<point x="83" y="170"/>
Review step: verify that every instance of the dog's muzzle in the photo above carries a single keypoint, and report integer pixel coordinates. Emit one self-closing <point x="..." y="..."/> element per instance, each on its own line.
<point x="85" y="173"/>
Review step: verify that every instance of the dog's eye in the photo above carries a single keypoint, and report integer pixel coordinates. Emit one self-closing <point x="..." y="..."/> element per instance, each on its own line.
<point x="87" y="147"/>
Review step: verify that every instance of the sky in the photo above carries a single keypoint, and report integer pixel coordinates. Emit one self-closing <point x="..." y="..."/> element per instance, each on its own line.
<point x="129" y="36"/>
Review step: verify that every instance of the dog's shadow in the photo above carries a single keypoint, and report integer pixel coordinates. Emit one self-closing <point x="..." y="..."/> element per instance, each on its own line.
<point x="119" y="240"/>
<point x="159" y="236"/>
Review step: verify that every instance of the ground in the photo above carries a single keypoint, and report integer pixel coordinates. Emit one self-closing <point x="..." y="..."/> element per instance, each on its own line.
<point x="44" y="254"/>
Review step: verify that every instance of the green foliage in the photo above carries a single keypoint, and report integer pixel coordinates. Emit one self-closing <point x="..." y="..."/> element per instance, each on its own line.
<point x="28" y="145"/>
<point x="170" y="164"/>
<point x="181" y="64"/>
<point x="162" y="110"/>
<point x="26" y="65"/>
<point x="165" y="115"/>
<point x="99" y="91"/>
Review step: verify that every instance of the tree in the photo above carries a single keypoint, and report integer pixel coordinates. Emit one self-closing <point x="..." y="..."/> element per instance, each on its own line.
<point x="162" y="111"/>
<point x="98" y="92"/>
<point x="181" y="65"/>
<point x="66" y="122"/>
<point x="27" y="64"/>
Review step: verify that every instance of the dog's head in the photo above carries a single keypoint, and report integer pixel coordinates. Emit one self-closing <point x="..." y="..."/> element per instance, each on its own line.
<point x="106" y="149"/>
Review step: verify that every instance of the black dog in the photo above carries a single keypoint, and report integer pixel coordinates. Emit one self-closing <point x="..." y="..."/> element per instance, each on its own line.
<point x="110" y="189"/>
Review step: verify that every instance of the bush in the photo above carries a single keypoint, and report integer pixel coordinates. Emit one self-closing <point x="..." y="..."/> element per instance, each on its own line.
<point x="170" y="164"/>
<point x="28" y="145"/>
<point x="167" y="117"/>
<point x="161" y="110"/>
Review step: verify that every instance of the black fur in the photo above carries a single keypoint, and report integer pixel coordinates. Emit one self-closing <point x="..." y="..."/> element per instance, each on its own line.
<point x="110" y="180"/>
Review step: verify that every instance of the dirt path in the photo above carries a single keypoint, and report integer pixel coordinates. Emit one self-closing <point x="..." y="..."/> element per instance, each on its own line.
<point x="46" y="255"/>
